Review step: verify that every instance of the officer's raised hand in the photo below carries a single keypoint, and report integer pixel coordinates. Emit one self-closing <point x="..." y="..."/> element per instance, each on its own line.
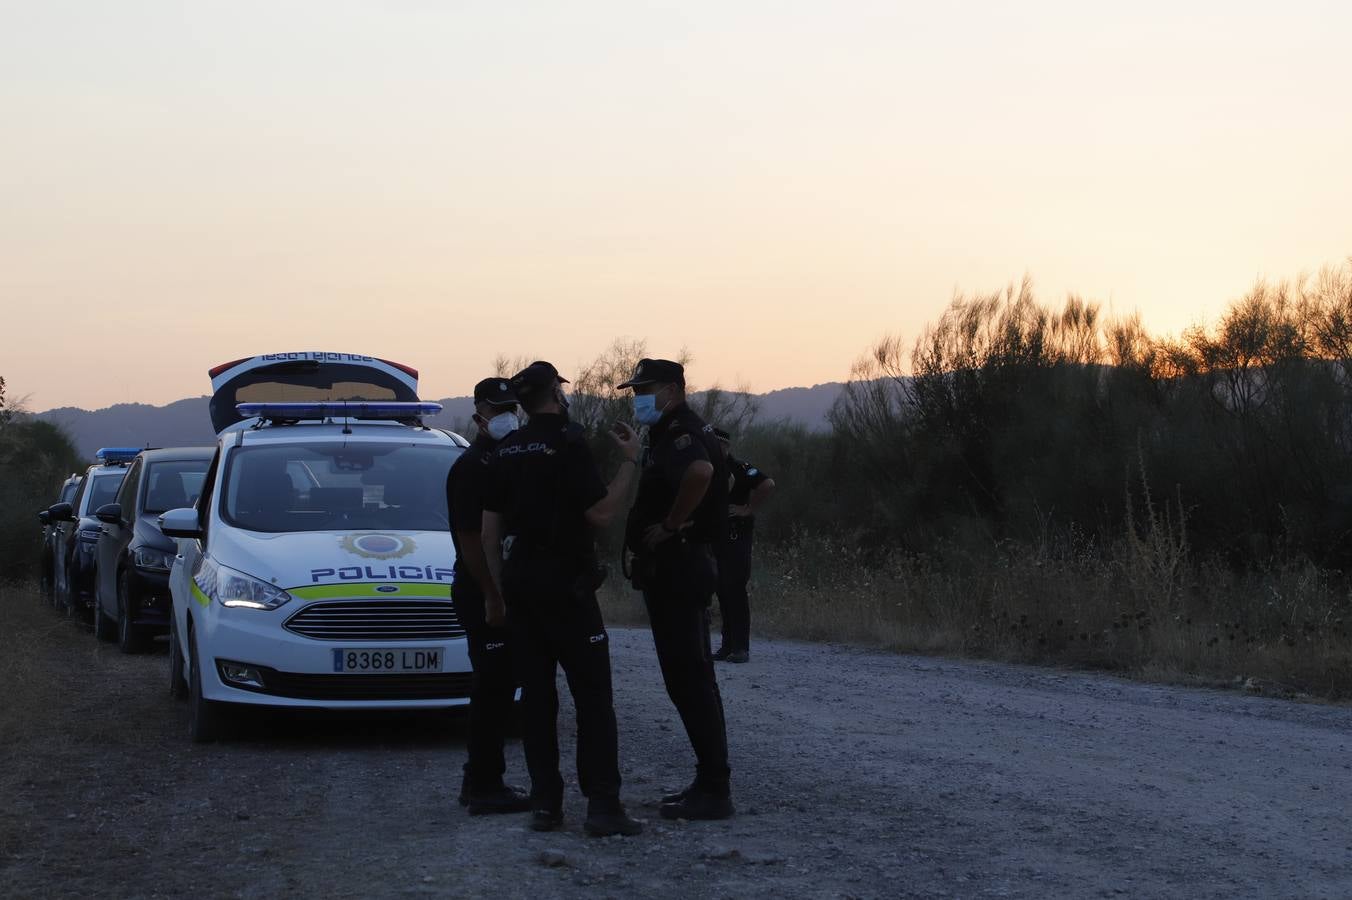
<point x="626" y="439"/>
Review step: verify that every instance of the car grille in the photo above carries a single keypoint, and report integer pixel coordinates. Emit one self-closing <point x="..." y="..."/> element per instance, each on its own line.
<point x="377" y="620"/>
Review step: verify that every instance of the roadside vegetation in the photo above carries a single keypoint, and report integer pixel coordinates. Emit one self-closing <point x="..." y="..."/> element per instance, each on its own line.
<point x="35" y="458"/>
<point x="1045" y="484"/>
<point x="1023" y="481"/>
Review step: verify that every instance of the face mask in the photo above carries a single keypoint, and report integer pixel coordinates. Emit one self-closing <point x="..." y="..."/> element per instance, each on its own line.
<point x="562" y="399"/>
<point x="502" y="425"/>
<point x="645" y="409"/>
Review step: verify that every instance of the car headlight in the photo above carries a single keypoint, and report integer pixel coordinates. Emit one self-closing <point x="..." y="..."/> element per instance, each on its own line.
<point x="237" y="590"/>
<point x="152" y="559"/>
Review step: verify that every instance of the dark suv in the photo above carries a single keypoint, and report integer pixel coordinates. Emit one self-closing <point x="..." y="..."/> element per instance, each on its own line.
<point x="134" y="557"/>
<point x="51" y="529"/>
<point x="78" y="530"/>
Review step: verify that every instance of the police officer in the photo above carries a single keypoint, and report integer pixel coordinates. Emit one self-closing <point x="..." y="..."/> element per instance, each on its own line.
<point x="677" y="521"/>
<point x="545" y="496"/>
<point x="490" y="652"/>
<point x="750" y="488"/>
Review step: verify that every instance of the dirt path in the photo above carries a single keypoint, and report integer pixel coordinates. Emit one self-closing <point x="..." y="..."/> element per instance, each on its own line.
<point x="858" y="775"/>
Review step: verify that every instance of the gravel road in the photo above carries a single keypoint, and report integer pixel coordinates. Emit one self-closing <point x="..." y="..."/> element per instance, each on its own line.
<point x="857" y="775"/>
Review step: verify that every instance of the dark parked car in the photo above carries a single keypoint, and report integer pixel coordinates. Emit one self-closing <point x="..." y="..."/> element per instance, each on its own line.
<point x="50" y="530"/>
<point x="78" y="530"/>
<point x="132" y="593"/>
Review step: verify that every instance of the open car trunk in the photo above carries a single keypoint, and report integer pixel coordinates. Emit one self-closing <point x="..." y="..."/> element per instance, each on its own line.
<point x="305" y="377"/>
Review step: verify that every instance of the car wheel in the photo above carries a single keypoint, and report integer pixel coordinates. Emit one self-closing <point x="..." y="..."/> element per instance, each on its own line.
<point x="205" y="718"/>
<point x="178" y="688"/>
<point x="130" y="637"/>
<point x="105" y="629"/>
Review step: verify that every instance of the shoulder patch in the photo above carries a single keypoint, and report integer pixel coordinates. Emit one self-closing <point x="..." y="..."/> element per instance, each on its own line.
<point x="681" y="442"/>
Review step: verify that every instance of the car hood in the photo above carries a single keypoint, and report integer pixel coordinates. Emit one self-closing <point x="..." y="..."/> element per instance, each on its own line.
<point x="304" y="559"/>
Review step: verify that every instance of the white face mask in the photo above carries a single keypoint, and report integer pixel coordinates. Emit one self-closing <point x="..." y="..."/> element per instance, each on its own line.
<point x="502" y="425"/>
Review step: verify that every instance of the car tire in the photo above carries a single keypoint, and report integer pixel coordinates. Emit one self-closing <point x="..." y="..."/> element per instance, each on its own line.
<point x="206" y="720"/>
<point x="130" y="637"/>
<point x="105" y="629"/>
<point x="178" y="686"/>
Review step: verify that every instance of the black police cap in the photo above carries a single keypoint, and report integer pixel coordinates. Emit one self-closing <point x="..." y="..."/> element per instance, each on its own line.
<point x="495" y="391"/>
<point x="535" y="376"/>
<point x="656" y="371"/>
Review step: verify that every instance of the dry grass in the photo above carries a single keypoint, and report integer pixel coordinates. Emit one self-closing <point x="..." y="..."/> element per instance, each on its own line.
<point x="1142" y="609"/>
<point x="1280" y="631"/>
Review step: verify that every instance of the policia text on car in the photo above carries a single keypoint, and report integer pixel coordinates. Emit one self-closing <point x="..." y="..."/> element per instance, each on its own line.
<point x="544" y="496"/>
<point x="677" y="522"/>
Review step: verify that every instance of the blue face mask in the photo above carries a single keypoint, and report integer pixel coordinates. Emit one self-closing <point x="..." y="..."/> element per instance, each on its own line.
<point x="645" y="409"/>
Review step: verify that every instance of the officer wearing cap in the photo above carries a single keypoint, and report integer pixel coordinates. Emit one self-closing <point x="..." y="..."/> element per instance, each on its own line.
<point x="545" y="496"/>
<point x="677" y="522"/>
<point x="479" y="606"/>
<point x="748" y="491"/>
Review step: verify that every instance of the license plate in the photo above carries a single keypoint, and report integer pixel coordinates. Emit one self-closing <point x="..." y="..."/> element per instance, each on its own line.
<point x="368" y="662"/>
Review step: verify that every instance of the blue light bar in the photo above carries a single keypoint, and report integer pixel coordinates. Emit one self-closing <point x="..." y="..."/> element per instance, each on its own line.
<point x="113" y="455"/>
<point x="336" y="409"/>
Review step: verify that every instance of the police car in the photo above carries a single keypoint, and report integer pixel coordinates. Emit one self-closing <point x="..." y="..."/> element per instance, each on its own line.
<point x="77" y="529"/>
<point x="50" y="529"/>
<point x="315" y="569"/>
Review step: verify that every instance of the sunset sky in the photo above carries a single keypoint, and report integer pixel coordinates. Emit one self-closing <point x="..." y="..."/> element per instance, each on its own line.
<point x="773" y="185"/>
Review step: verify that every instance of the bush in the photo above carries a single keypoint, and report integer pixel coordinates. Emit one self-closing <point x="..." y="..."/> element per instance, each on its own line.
<point x="35" y="457"/>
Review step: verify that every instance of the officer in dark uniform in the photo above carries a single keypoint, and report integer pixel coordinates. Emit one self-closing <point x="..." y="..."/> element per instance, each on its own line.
<point x="479" y="607"/>
<point x="677" y="522"/>
<point x="750" y="488"/>
<point x="545" y="496"/>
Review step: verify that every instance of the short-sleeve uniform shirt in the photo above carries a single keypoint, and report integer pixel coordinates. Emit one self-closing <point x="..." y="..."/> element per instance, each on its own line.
<point x="679" y="439"/>
<point x="465" y="485"/>
<point x="542" y="479"/>
<point x="745" y="479"/>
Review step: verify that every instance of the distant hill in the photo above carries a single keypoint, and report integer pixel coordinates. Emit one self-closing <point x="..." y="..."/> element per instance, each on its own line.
<point x="805" y="405"/>
<point x="184" y="423"/>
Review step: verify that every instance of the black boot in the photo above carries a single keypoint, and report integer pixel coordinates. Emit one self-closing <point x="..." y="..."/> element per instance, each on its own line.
<point x="463" y="799"/>
<point x="701" y="802"/>
<point x="546" y="819"/>
<point x="724" y="651"/>
<point x="502" y="799"/>
<point x="680" y="795"/>
<point x="607" y="817"/>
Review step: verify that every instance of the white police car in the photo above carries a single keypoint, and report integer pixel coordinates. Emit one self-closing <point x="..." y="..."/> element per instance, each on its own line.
<point x="316" y="568"/>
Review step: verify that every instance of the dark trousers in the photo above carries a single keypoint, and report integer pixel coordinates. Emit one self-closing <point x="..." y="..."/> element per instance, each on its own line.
<point x="734" y="571"/>
<point x="678" y="610"/>
<point x="492" y="693"/>
<point x="555" y="628"/>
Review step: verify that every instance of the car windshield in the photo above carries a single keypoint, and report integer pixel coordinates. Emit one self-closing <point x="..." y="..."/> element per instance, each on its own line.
<point x="103" y="490"/>
<point x="173" y="483"/>
<point x="337" y="487"/>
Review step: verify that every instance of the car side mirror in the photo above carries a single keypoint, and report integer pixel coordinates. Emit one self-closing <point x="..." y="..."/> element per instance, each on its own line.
<point x="109" y="513"/>
<point x="180" y="523"/>
<point x="45" y="517"/>
<point x="60" y="512"/>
